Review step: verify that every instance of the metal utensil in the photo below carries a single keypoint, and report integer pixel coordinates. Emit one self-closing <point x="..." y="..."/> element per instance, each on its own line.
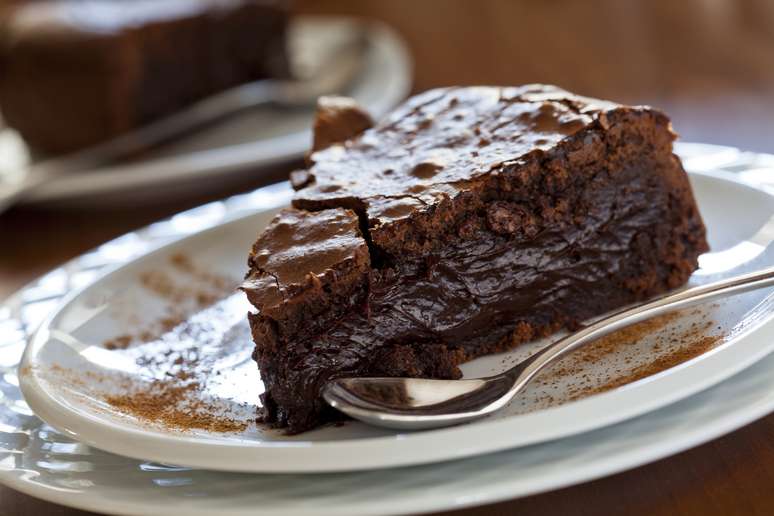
<point x="413" y="403"/>
<point x="333" y="70"/>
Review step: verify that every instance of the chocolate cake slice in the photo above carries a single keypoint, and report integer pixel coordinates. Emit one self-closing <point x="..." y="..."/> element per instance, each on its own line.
<point x="466" y="222"/>
<point x="74" y="73"/>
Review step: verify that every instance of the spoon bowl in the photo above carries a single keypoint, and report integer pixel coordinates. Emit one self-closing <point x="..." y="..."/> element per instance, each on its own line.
<point x="412" y="403"/>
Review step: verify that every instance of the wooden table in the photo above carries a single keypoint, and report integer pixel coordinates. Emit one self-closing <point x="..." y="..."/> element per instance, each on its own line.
<point x="707" y="62"/>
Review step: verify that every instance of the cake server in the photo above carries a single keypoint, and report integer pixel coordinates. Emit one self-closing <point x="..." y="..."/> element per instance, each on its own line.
<point x="417" y="403"/>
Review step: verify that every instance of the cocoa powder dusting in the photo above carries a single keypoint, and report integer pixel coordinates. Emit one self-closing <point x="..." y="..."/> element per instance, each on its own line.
<point x="613" y="343"/>
<point x="174" y="404"/>
<point x="189" y="289"/>
<point x="175" y="372"/>
<point x="693" y="350"/>
<point x="672" y="345"/>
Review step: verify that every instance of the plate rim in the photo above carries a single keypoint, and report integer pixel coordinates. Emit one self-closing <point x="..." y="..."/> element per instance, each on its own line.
<point x="277" y="459"/>
<point x="646" y="454"/>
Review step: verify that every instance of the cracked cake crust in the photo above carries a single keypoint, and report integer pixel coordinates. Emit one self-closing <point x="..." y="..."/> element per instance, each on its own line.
<point x="489" y="216"/>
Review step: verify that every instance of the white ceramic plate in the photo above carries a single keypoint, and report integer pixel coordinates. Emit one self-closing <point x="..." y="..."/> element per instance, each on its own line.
<point x="242" y="145"/>
<point x="71" y="339"/>
<point x="38" y="460"/>
<point x="41" y="462"/>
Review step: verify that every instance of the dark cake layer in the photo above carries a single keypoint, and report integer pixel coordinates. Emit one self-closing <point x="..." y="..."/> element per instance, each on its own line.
<point x="77" y="72"/>
<point x="484" y="257"/>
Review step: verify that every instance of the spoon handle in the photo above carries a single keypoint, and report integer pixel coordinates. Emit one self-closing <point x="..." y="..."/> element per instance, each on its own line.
<point x="522" y="373"/>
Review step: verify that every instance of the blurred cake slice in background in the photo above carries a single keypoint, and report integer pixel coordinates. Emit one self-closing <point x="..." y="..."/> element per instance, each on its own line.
<point x="74" y="73"/>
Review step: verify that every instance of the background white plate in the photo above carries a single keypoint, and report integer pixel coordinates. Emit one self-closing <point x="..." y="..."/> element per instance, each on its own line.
<point x="37" y="460"/>
<point x="244" y="144"/>
<point x="72" y="338"/>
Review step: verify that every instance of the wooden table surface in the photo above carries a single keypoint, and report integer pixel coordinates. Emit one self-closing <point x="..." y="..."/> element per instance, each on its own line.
<point x="706" y="61"/>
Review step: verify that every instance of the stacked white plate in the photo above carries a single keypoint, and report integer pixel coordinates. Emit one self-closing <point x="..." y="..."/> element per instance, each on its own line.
<point x="354" y="469"/>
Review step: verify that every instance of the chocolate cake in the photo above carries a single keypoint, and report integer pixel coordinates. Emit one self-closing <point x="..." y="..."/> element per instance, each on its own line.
<point x="468" y="221"/>
<point x="77" y="72"/>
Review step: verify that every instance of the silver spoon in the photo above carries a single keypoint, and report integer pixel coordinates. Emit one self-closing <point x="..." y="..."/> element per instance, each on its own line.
<point x="416" y="403"/>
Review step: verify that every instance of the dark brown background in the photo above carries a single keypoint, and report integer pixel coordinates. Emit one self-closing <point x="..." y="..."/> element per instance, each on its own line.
<point x="707" y="62"/>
